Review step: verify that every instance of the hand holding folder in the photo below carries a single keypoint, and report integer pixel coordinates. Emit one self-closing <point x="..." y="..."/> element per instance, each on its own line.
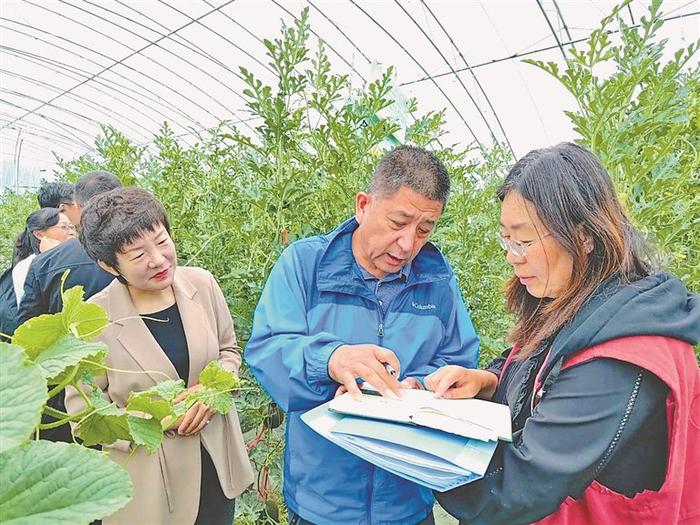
<point x="438" y="443"/>
<point x="473" y="418"/>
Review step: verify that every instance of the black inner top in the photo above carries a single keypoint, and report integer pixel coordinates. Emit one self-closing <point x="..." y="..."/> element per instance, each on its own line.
<point x="170" y="335"/>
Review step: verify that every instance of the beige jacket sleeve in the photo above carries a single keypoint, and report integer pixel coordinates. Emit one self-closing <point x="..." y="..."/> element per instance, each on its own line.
<point x="230" y="354"/>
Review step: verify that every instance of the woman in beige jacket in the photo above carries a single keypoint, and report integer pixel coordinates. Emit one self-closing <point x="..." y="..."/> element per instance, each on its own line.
<point x="166" y="322"/>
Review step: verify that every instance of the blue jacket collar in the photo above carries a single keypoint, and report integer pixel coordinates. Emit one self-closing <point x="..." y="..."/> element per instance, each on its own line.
<point x="336" y="272"/>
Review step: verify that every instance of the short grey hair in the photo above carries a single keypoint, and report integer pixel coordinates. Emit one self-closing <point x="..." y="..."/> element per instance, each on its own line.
<point x="414" y="168"/>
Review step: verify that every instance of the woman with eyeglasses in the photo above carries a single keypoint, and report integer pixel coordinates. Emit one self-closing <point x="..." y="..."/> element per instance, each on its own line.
<point x="45" y="229"/>
<point x="602" y="382"/>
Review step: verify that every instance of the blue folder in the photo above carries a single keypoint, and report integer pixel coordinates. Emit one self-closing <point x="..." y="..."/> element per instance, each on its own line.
<point x="438" y="460"/>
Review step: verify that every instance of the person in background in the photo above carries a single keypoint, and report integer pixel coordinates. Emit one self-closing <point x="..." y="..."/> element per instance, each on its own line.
<point x="370" y="296"/>
<point x="42" y="286"/>
<point x="42" y="289"/>
<point x="45" y="229"/>
<point x="601" y="381"/>
<point x="170" y="321"/>
<point x="60" y="195"/>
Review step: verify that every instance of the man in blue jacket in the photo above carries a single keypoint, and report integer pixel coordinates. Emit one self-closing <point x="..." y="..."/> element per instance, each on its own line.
<point x="343" y="306"/>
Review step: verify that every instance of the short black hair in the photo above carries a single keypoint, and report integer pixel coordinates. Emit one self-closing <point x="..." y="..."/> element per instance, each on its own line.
<point x="113" y="219"/>
<point x="53" y="194"/>
<point x="414" y="168"/>
<point x="94" y="183"/>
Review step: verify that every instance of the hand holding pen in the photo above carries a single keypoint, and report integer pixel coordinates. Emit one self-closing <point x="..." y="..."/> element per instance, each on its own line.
<point x="376" y="365"/>
<point x="410" y="383"/>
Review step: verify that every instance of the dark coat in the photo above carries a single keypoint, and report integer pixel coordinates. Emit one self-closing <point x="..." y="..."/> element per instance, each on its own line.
<point x="42" y="287"/>
<point x="603" y="421"/>
<point x="8" y="303"/>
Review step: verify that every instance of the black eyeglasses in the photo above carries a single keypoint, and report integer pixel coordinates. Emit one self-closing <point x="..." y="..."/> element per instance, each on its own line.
<point x="65" y="227"/>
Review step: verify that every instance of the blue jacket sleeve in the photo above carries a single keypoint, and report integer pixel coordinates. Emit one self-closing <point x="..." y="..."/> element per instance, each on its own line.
<point x="460" y="344"/>
<point x="289" y="363"/>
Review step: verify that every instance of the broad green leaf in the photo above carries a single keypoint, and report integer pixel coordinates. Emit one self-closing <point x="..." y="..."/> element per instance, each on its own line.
<point x="67" y="352"/>
<point x="168" y="389"/>
<point x="85" y="320"/>
<point x="37" y="334"/>
<point x="87" y="377"/>
<point x="105" y="425"/>
<point x="89" y="321"/>
<point x="149" y="403"/>
<point x="221" y="402"/>
<point x="181" y="408"/>
<point x="146" y="432"/>
<point x="71" y="299"/>
<point x="215" y="376"/>
<point x="22" y="396"/>
<point x="88" y="368"/>
<point x="60" y="484"/>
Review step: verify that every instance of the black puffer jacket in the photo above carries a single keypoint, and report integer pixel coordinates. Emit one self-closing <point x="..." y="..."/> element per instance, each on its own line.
<point x="8" y="304"/>
<point x="601" y="420"/>
<point x="42" y="287"/>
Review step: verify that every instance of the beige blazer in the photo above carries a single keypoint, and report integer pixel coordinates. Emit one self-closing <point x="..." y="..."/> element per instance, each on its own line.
<point x="167" y="483"/>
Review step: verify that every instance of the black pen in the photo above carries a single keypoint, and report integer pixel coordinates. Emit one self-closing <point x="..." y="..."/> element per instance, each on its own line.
<point x="390" y="370"/>
<point x="371" y="392"/>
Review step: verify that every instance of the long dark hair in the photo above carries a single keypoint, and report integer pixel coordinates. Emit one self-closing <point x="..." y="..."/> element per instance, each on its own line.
<point x="26" y="242"/>
<point x="575" y="199"/>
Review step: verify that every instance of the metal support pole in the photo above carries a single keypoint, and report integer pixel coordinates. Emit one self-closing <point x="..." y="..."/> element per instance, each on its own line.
<point x="18" y="150"/>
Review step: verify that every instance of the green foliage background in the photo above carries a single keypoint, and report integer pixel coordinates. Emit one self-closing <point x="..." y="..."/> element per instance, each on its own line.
<point x="236" y="200"/>
<point x="643" y="121"/>
<point x="14" y="209"/>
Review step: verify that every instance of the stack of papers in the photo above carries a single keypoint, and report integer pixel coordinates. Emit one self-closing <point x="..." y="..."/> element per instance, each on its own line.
<point x="438" y="443"/>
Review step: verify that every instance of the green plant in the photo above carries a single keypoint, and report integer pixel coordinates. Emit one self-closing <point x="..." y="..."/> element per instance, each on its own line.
<point x="467" y="236"/>
<point x="14" y="209"/>
<point x="48" y="354"/>
<point x="60" y="344"/>
<point x="643" y="121"/>
<point x="92" y="486"/>
<point x="114" y="153"/>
